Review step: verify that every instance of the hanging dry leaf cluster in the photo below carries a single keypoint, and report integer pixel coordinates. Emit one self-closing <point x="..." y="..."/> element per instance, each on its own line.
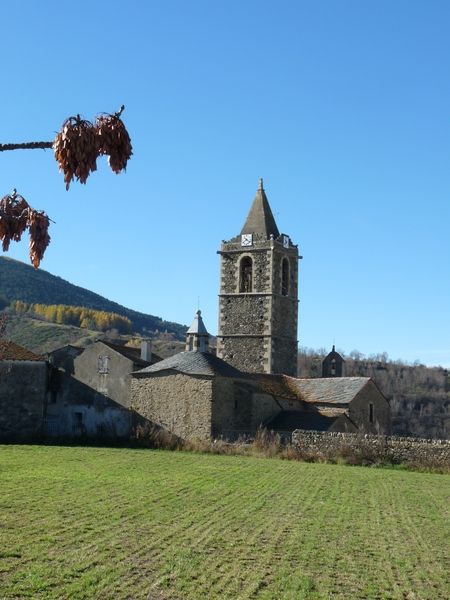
<point x="16" y="216"/>
<point x="77" y="147"/>
<point x="79" y="143"/>
<point x="114" y="141"/>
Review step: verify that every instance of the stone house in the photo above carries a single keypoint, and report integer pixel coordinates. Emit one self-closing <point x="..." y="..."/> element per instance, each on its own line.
<point x="23" y="392"/>
<point x="345" y="404"/>
<point x="106" y="368"/>
<point x="90" y="389"/>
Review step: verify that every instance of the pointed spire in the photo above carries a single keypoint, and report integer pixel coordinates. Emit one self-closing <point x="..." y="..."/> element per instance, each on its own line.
<point x="197" y="337"/>
<point x="260" y="218"/>
<point x="197" y="325"/>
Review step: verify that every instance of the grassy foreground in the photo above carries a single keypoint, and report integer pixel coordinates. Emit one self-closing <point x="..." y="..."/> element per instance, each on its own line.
<point x="120" y="523"/>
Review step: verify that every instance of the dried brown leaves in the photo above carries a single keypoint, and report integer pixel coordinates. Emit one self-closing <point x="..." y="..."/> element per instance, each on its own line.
<point x="16" y="215"/>
<point x="75" y="149"/>
<point x="114" y="141"/>
<point x="79" y="143"/>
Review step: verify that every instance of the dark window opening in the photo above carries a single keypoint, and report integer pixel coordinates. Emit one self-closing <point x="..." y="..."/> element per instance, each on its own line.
<point x="370" y="413"/>
<point x="285" y="277"/>
<point x="246" y="275"/>
<point x="333" y="367"/>
<point x="78" y="418"/>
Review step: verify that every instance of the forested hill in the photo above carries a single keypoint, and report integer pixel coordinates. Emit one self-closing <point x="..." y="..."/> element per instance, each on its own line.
<point x="19" y="281"/>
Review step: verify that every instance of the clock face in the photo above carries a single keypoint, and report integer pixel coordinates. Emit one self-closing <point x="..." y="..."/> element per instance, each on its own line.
<point x="247" y="239"/>
<point x="285" y="241"/>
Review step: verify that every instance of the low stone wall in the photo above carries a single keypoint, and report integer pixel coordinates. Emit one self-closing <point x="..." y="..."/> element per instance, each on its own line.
<point x="377" y="447"/>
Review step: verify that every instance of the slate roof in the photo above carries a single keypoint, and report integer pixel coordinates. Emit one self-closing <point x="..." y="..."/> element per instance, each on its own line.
<point x="193" y="363"/>
<point x="331" y="390"/>
<point x="260" y="219"/>
<point x="67" y="349"/>
<point x="290" y="420"/>
<point x="274" y="385"/>
<point x="197" y="325"/>
<point x="131" y="353"/>
<point x="11" y="351"/>
<point x="328" y="390"/>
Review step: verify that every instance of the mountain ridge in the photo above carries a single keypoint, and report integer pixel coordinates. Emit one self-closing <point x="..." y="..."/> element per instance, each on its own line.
<point x="19" y="281"/>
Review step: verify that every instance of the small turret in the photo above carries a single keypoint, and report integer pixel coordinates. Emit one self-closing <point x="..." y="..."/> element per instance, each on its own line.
<point x="333" y="364"/>
<point x="197" y="338"/>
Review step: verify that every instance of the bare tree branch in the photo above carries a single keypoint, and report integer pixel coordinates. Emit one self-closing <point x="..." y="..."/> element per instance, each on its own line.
<point x="27" y="146"/>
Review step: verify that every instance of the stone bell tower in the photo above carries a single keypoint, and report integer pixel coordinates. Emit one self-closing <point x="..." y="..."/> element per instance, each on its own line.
<point x="258" y="302"/>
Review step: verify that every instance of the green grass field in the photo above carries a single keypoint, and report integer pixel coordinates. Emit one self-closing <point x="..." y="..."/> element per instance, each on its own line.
<point x="119" y="523"/>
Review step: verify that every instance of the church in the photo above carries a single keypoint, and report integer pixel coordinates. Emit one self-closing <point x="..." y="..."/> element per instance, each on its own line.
<point x="252" y="381"/>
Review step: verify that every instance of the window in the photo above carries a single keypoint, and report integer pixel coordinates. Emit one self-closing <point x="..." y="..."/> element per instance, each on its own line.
<point x="246" y="275"/>
<point x="333" y="367"/>
<point x="103" y="364"/>
<point x="285" y="277"/>
<point x="371" y="413"/>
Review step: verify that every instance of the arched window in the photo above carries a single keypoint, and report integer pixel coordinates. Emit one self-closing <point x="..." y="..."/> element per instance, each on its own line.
<point x="246" y="275"/>
<point x="285" y="277"/>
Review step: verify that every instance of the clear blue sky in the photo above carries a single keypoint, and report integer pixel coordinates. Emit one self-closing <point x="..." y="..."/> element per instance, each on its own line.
<point x="342" y="106"/>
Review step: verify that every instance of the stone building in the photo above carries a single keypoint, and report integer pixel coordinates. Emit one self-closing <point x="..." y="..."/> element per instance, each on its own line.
<point x="106" y="368"/>
<point x="251" y="382"/>
<point x="347" y="404"/>
<point x="90" y="389"/>
<point x="197" y="395"/>
<point x="333" y="365"/>
<point x="23" y="391"/>
<point x="259" y="295"/>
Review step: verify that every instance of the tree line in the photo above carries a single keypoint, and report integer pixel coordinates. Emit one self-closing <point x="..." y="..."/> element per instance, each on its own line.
<point x="79" y="316"/>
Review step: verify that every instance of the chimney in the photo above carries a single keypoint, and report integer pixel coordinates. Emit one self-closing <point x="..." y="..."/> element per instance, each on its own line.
<point x="146" y="350"/>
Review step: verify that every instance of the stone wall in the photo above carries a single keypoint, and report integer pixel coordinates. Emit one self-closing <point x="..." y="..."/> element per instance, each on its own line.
<point x="181" y="404"/>
<point x="359" y="410"/>
<point x="249" y="354"/>
<point x="237" y="408"/>
<point x="115" y="383"/>
<point x="390" y="448"/>
<point x="231" y="406"/>
<point x="77" y="410"/>
<point x="23" y="388"/>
